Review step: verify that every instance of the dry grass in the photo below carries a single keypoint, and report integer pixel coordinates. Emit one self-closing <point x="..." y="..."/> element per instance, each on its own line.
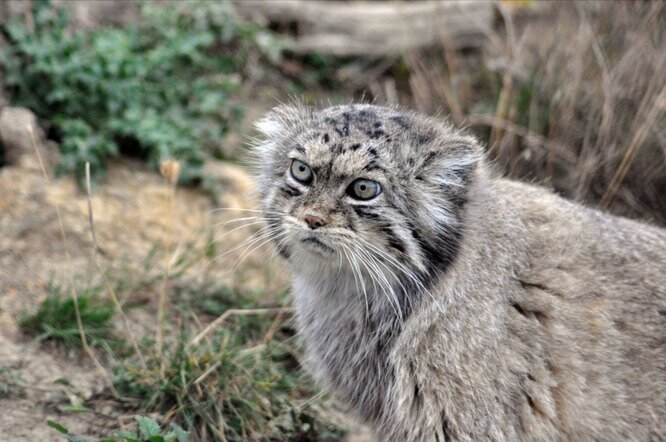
<point x="572" y="96"/>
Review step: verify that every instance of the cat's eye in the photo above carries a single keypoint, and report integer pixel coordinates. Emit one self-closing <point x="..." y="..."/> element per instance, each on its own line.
<point x="363" y="189"/>
<point x="301" y="172"/>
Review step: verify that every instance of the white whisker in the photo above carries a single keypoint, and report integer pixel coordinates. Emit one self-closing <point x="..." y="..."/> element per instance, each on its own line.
<point x="219" y="238"/>
<point x="352" y="265"/>
<point x="240" y="209"/>
<point x="251" y="249"/>
<point x="386" y="285"/>
<point x="383" y="283"/>
<point x="258" y="235"/>
<point x="234" y="220"/>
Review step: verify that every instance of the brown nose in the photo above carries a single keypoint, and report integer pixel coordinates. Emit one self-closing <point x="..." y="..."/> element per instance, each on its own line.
<point x="314" y="221"/>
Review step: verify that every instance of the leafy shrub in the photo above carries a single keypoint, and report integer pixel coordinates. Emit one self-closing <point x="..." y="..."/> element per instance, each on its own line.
<point x="159" y="89"/>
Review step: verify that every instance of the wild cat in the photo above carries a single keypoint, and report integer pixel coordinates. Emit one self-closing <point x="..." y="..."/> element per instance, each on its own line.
<point x="443" y="302"/>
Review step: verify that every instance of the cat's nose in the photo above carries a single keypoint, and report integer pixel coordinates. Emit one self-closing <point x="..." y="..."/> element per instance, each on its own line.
<point x="314" y="221"/>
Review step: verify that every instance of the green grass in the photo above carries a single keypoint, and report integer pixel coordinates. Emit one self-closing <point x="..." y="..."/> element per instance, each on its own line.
<point x="242" y="381"/>
<point x="55" y="320"/>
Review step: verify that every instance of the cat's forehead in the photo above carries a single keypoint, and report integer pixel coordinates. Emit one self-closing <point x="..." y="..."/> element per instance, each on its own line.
<point x="354" y="133"/>
<point x="363" y="122"/>
<point x="337" y="158"/>
<point x="344" y="141"/>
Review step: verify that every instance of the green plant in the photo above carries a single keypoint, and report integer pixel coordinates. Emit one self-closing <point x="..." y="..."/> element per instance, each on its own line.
<point x="238" y="382"/>
<point x="149" y="431"/>
<point x="56" y="318"/>
<point x="159" y="89"/>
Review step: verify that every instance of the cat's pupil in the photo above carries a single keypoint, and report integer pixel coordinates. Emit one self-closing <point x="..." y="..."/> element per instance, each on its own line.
<point x="362" y="186"/>
<point x="301" y="168"/>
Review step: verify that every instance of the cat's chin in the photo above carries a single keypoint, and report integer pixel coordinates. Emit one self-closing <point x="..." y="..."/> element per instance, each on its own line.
<point x="312" y="245"/>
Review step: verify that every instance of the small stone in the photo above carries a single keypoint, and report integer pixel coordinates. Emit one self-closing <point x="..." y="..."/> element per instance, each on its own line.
<point x="15" y="139"/>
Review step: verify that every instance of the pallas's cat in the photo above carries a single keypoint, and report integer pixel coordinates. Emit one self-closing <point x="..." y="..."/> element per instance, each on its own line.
<point x="443" y="302"/>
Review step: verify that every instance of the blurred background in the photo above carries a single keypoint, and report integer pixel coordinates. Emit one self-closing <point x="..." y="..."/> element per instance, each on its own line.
<point x="142" y="299"/>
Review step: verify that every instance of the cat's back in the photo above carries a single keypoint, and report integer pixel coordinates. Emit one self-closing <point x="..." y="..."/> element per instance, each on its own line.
<point x="610" y="251"/>
<point x="594" y="291"/>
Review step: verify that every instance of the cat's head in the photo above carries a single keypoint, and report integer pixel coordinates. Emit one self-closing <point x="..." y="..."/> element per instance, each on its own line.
<point x="364" y="186"/>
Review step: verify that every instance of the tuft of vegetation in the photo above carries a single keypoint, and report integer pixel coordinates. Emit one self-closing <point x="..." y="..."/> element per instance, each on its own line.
<point x="158" y="89"/>
<point x="56" y="318"/>
<point x="148" y="431"/>
<point x="241" y="381"/>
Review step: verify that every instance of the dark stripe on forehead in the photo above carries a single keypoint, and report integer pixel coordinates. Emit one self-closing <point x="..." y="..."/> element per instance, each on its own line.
<point x="372" y="165"/>
<point x="376" y="134"/>
<point x="300" y="148"/>
<point x="343" y="131"/>
<point x="341" y="127"/>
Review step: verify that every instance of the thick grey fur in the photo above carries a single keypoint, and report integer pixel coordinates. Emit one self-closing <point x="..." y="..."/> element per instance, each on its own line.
<point x="459" y="305"/>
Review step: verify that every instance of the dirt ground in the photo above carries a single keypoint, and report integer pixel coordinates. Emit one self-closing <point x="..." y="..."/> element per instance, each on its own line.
<point x="131" y="214"/>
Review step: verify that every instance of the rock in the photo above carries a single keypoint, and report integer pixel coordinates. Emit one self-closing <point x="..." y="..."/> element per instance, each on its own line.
<point x="15" y="139"/>
<point x="14" y="135"/>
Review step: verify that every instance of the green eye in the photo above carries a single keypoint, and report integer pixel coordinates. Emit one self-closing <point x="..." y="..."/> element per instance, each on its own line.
<point x="301" y="172"/>
<point x="363" y="189"/>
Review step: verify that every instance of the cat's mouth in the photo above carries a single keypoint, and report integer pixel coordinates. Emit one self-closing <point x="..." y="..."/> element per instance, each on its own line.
<point x="316" y="244"/>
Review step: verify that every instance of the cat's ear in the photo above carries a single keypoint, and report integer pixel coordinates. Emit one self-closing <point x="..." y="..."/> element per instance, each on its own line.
<point x="280" y="121"/>
<point x="447" y="158"/>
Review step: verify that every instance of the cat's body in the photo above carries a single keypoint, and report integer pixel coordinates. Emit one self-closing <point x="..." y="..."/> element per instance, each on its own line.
<point x="454" y="305"/>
